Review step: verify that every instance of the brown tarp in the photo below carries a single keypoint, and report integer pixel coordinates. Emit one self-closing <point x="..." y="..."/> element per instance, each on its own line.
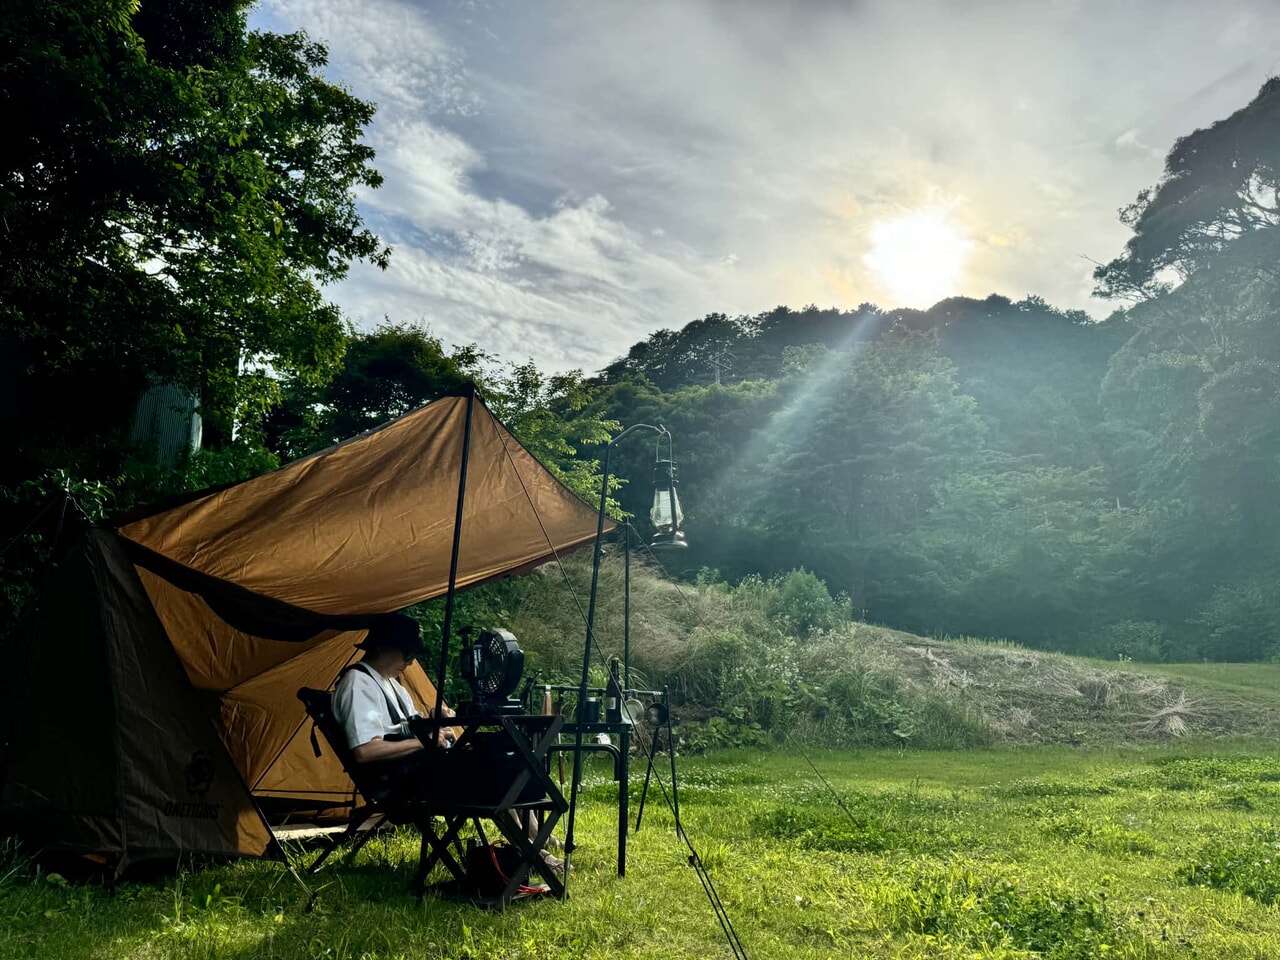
<point x="367" y="526"/>
<point x="362" y="528"/>
<point x="265" y="587"/>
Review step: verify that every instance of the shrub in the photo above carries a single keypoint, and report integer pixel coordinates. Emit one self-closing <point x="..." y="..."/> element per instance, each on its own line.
<point x="802" y="603"/>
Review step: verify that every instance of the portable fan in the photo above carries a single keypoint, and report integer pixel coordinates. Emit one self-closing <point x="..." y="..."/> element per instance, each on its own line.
<point x="493" y="667"/>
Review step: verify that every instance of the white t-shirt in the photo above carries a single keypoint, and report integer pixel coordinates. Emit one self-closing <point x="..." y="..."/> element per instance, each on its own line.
<point x="360" y="705"/>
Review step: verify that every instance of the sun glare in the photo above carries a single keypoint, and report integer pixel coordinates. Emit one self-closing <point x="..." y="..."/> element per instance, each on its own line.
<point x="918" y="257"/>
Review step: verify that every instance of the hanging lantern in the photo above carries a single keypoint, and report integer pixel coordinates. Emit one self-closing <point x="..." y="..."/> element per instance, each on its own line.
<point x="666" y="513"/>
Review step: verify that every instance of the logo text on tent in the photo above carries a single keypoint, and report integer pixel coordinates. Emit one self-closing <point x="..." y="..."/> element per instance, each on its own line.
<point x="198" y="778"/>
<point x="192" y="811"/>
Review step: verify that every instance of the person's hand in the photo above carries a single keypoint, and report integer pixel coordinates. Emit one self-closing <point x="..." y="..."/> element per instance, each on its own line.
<point x="445" y="738"/>
<point x="447" y="711"/>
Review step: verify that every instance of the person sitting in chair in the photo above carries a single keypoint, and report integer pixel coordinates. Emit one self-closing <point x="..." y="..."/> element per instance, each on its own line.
<point x="373" y="709"/>
<point x="369" y="703"/>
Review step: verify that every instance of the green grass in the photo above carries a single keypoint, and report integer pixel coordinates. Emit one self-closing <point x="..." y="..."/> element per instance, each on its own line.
<point x="1050" y="852"/>
<point x="1256" y="680"/>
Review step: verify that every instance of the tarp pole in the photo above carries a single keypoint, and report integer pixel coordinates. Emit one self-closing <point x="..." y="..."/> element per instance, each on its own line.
<point x="453" y="563"/>
<point x="626" y="607"/>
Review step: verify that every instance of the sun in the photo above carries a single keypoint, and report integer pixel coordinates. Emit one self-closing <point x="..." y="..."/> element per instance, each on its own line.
<point x="918" y="257"/>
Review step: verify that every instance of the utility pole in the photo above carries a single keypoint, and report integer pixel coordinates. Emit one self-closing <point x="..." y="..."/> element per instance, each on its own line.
<point x="722" y="361"/>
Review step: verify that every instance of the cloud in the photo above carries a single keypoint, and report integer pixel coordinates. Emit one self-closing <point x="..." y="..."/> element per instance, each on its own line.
<point x="563" y="178"/>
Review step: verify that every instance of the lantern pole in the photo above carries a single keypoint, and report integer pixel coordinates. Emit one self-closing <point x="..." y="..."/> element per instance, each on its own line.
<point x="586" y="650"/>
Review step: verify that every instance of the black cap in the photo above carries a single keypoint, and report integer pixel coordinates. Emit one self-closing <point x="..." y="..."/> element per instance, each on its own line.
<point x="395" y="631"/>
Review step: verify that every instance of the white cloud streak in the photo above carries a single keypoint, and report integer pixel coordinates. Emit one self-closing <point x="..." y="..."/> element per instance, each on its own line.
<point x="562" y="178"/>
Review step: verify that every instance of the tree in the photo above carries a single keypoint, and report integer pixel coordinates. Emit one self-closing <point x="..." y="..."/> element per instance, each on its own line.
<point x="1219" y="186"/>
<point x="1191" y="396"/>
<point x="384" y="373"/>
<point x="554" y="418"/>
<point x="859" y="454"/>
<point x="673" y="359"/>
<point x="174" y="191"/>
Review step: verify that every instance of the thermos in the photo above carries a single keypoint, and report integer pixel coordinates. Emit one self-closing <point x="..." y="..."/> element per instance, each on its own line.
<point x="613" y="695"/>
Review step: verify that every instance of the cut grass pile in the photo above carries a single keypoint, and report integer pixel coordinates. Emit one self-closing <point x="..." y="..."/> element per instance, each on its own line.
<point x="1051" y="852"/>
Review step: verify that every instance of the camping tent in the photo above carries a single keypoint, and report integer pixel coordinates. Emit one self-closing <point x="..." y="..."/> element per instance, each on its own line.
<point x="155" y="703"/>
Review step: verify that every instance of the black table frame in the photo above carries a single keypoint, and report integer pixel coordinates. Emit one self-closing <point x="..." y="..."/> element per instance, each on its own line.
<point x="533" y="738"/>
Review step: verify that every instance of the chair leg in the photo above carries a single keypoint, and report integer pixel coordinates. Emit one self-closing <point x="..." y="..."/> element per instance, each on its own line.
<point x="331" y="845"/>
<point x="358" y="819"/>
<point x="356" y="847"/>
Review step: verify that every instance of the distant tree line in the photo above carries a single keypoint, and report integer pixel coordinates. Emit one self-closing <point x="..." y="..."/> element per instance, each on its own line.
<point x="176" y="190"/>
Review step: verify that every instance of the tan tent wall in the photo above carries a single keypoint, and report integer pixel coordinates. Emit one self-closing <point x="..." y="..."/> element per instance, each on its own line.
<point x="298" y="773"/>
<point x="262" y="723"/>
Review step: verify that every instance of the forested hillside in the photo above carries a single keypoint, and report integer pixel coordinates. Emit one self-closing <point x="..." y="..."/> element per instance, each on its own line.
<point x="984" y="467"/>
<point x="1009" y="469"/>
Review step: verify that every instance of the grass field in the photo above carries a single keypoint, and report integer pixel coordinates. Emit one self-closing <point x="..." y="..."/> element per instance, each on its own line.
<point x="1260" y="680"/>
<point x="1053" y="852"/>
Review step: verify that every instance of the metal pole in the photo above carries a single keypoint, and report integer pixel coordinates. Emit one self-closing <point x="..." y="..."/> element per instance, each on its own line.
<point x="626" y="608"/>
<point x="586" y="650"/>
<point x="576" y="780"/>
<point x="648" y="775"/>
<point x="453" y="564"/>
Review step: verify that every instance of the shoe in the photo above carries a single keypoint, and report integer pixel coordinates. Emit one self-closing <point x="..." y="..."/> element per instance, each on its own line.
<point x="554" y="863"/>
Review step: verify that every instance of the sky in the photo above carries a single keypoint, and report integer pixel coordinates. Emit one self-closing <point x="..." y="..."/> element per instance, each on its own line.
<point x="564" y="178"/>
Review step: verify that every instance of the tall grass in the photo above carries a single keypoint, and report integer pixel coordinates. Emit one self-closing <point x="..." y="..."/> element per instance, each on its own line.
<point x="747" y="664"/>
<point x="766" y="661"/>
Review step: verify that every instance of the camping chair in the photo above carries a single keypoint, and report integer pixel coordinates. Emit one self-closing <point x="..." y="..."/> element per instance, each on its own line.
<point x="378" y="806"/>
<point x="521" y="789"/>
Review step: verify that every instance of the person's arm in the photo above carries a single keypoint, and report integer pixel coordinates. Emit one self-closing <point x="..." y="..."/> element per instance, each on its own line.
<point x="446" y="735"/>
<point x="379" y="749"/>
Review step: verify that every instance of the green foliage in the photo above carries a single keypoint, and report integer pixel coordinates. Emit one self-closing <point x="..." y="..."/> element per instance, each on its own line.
<point x="832" y="830"/>
<point x="801" y="603"/>
<point x="1244" y="862"/>
<point x="1099" y="833"/>
<point x="858" y="455"/>
<point x="975" y="905"/>
<point x="176" y="189"/>
<point x="384" y="373"/>
<point x="1218" y="187"/>
<point x="722" y="733"/>
<point x="552" y="417"/>
<point x="1242" y="620"/>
